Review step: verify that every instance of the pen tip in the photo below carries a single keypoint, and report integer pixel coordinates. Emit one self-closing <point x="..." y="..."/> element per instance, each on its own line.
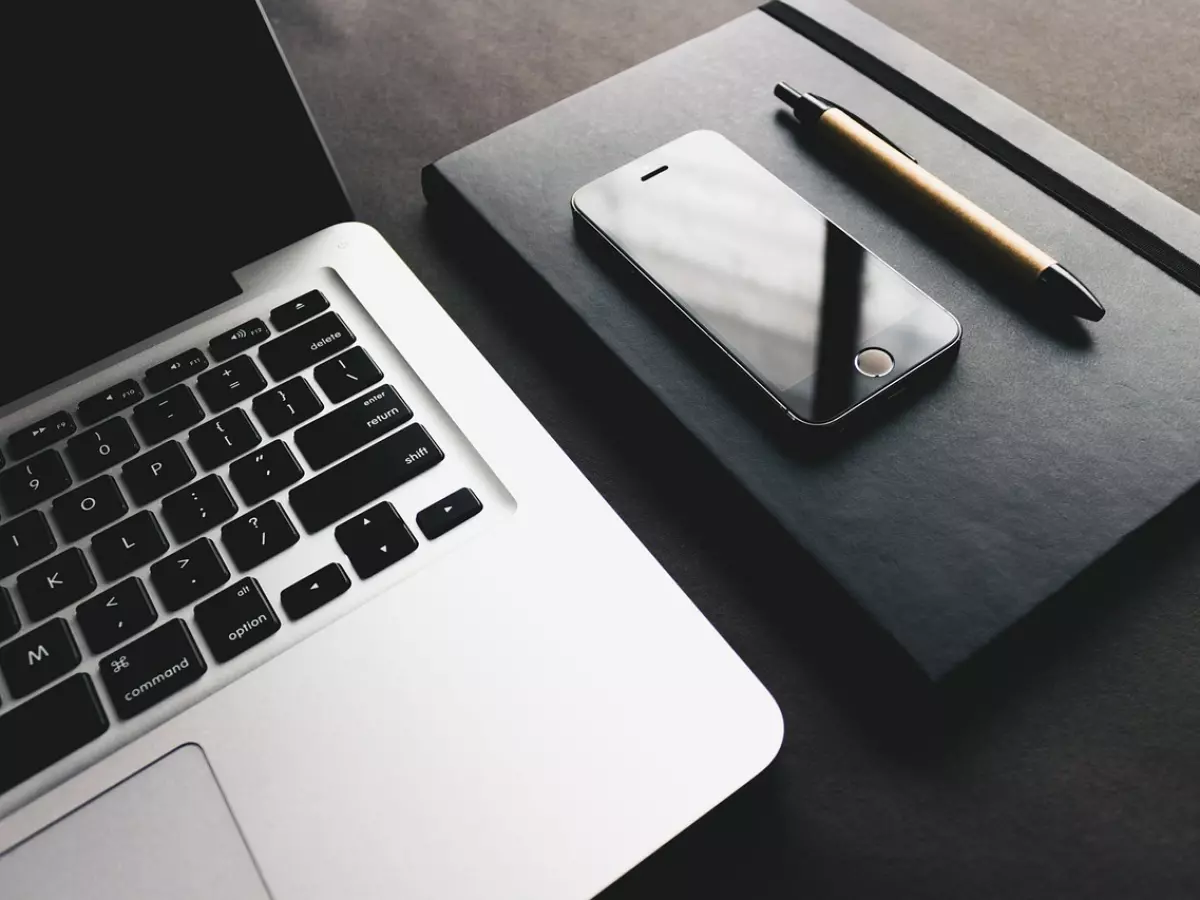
<point x="788" y="94"/>
<point x="1070" y="294"/>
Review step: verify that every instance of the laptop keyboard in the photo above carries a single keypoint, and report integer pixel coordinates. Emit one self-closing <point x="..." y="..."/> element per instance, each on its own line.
<point x="136" y="525"/>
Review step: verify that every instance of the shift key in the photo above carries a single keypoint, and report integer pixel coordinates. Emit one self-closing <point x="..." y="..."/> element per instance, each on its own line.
<point x="352" y="426"/>
<point x="152" y="668"/>
<point x="305" y="346"/>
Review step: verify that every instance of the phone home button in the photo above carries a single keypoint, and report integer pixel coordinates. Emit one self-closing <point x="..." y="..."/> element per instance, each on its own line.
<point x="874" y="362"/>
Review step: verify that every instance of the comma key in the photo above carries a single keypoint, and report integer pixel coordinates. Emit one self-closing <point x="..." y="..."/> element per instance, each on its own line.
<point x="152" y="668"/>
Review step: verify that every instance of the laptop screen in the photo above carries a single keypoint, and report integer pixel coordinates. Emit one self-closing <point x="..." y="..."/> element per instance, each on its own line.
<point x="151" y="149"/>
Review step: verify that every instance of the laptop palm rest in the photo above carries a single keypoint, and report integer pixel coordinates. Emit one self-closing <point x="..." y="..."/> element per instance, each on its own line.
<point x="165" y="832"/>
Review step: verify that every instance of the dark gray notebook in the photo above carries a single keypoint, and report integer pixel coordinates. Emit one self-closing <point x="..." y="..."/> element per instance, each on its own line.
<point x="1039" y="452"/>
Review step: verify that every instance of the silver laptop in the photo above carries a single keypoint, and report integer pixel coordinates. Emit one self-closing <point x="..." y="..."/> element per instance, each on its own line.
<point x="297" y="600"/>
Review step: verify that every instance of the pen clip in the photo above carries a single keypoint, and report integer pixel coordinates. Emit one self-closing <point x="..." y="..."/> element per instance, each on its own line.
<point x="867" y="125"/>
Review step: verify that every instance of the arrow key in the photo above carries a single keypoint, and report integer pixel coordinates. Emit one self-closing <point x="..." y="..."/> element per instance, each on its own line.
<point x="188" y="574"/>
<point x="311" y="593"/>
<point x="375" y="539"/>
<point x="118" y="613"/>
<point x="449" y="512"/>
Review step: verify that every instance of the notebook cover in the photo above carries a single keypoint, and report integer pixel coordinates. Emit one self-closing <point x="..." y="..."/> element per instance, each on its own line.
<point x="1037" y="454"/>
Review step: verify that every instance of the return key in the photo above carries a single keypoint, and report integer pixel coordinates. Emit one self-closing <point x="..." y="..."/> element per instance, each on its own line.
<point x="351" y="426"/>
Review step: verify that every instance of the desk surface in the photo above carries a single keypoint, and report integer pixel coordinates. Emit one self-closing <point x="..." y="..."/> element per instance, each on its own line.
<point x="1068" y="764"/>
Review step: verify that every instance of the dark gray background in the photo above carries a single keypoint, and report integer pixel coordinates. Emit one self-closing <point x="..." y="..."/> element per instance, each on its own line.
<point x="1067" y="763"/>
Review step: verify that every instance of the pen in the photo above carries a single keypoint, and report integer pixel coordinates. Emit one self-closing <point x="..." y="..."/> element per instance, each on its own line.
<point x="839" y="128"/>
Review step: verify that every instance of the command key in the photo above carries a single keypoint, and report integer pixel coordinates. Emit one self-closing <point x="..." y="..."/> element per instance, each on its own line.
<point x="152" y="668"/>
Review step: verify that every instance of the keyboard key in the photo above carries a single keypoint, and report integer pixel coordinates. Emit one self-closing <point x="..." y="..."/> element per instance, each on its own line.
<point x="195" y="509"/>
<point x="118" y="613"/>
<point x="100" y="406"/>
<point x="33" y="481"/>
<point x="235" y="340"/>
<point x="296" y="311"/>
<point x="161" y="470"/>
<point x="175" y="370"/>
<point x="106" y="445"/>
<point x="58" y="582"/>
<point x="9" y="623"/>
<point x="24" y="541"/>
<point x="311" y="593"/>
<point x="258" y="535"/>
<point x="449" y="512"/>
<point x="352" y="426"/>
<point x="287" y="405"/>
<point x="168" y="414"/>
<point x="355" y="482"/>
<point x="51" y="726"/>
<point x="37" y="657"/>
<point x="230" y="383"/>
<point x="40" y="434"/>
<point x="88" y="508"/>
<point x="128" y="545"/>
<point x="266" y="471"/>
<point x="188" y="574"/>
<point x="152" y="668"/>
<point x="375" y="539"/>
<point x="312" y="342"/>
<point x="346" y="375"/>
<point x="236" y="619"/>
<point x="225" y="437"/>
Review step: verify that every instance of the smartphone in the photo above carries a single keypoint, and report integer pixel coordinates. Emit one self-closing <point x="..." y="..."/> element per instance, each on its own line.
<point x="817" y="321"/>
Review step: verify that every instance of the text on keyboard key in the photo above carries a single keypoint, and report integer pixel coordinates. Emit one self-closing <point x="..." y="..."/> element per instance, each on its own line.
<point x="254" y="538"/>
<point x="224" y="438"/>
<point x="311" y="593"/>
<point x="352" y="426"/>
<point x="375" y="539"/>
<point x="230" y="383"/>
<point x="89" y="507"/>
<point x="236" y="619"/>
<point x="105" y="445"/>
<point x="167" y="414"/>
<point x="51" y="726"/>
<point x="55" y="583"/>
<point x="307" y="345"/>
<point x="176" y="369"/>
<point x="38" y="657"/>
<point x="33" y="481"/>
<point x="157" y="472"/>
<point x="188" y="574"/>
<point x="151" y="668"/>
<point x="286" y="406"/>
<point x="40" y="434"/>
<point x="299" y="310"/>
<point x="235" y="340"/>
<point x="128" y="545"/>
<point x="366" y="476"/>
<point x="346" y="375"/>
<point x="100" y="406"/>
<point x="265" y="471"/>
<point x="114" y="615"/>
<point x="24" y="541"/>
<point x="197" y="508"/>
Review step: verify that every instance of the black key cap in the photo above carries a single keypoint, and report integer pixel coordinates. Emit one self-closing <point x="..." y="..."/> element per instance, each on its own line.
<point x="87" y="508"/>
<point x="287" y="405"/>
<point x="266" y="471"/>
<point x="235" y="340"/>
<point x="29" y="483"/>
<point x="106" y="445"/>
<point x="236" y="619"/>
<point x="128" y="545"/>
<point x="24" y="541"/>
<point x="217" y="442"/>
<point x="37" y="657"/>
<point x="312" y="342"/>
<point x="355" y="482"/>
<point x="197" y="508"/>
<point x="188" y="574"/>
<point x="58" y="582"/>
<point x="168" y="414"/>
<point x="313" y="592"/>
<point x="118" y="613"/>
<point x="375" y="539"/>
<point x="449" y="512"/>
<point x="151" y="668"/>
<point x="230" y="383"/>
<point x="9" y="623"/>
<point x="48" y="728"/>
<point x="155" y="473"/>
<point x="346" y="375"/>
<point x="352" y="426"/>
<point x="258" y="535"/>
<point x="40" y="434"/>
<point x="175" y="370"/>
<point x="296" y="311"/>
<point x="100" y="406"/>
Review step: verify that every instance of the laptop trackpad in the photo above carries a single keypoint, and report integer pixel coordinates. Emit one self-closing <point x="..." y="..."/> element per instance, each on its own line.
<point x="165" y="832"/>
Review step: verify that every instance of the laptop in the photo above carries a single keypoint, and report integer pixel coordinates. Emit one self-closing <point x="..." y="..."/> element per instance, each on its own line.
<point x="297" y="600"/>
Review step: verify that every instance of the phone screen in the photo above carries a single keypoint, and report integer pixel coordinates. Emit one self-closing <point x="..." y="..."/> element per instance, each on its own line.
<point x="790" y="295"/>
